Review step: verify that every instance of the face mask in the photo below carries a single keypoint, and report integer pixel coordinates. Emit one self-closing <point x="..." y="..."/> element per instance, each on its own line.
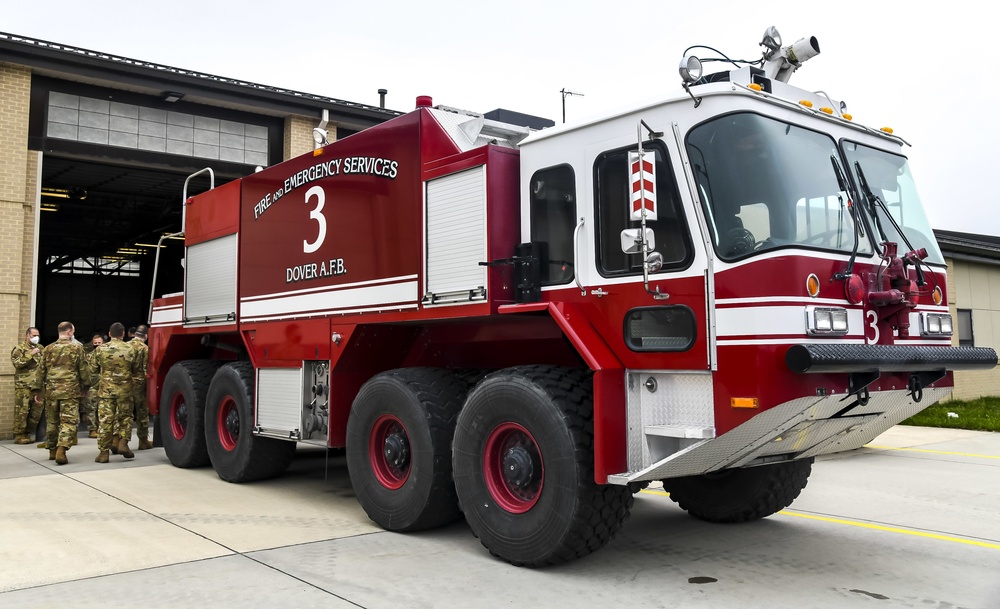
<point x="34" y="340"/>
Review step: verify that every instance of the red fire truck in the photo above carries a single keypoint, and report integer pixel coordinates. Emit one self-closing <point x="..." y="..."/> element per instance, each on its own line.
<point x="525" y="327"/>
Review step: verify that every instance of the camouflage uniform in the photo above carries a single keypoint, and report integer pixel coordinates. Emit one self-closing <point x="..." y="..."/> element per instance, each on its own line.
<point x="113" y="366"/>
<point x="63" y="375"/>
<point x="88" y="403"/>
<point x="27" y="412"/>
<point x="139" y="388"/>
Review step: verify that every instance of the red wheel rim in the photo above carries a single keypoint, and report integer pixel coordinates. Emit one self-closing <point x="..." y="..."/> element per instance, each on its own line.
<point x="513" y="468"/>
<point x="229" y="423"/>
<point x="389" y="452"/>
<point x="178" y="416"/>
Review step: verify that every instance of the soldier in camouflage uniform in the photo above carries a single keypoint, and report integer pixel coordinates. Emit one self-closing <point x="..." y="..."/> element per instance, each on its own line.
<point x="88" y="404"/>
<point x="113" y="366"/>
<point x="138" y="343"/>
<point x="27" y="412"/>
<point x="64" y="376"/>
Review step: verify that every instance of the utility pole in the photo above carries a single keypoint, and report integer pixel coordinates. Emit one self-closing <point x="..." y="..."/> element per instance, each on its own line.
<point x="566" y="92"/>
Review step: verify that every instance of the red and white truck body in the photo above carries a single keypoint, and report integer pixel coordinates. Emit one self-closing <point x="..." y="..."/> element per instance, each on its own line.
<point x="783" y="297"/>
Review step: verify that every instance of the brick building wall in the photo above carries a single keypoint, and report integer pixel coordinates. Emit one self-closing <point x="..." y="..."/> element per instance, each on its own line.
<point x="18" y="188"/>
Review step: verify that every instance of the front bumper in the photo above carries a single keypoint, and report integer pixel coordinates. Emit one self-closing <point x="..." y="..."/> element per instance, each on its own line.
<point x="836" y="358"/>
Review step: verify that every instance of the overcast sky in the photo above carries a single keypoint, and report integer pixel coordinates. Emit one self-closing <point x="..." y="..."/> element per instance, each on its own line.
<point x="924" y="72"/>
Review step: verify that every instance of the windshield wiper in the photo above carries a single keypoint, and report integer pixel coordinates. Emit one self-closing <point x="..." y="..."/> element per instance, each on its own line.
<point x="872" y="198"/>
<point x="875" y="203"/>
<point x="845" y="187"/>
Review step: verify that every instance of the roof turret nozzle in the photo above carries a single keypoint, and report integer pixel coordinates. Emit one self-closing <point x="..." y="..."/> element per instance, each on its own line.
<point x="780" y="62"/>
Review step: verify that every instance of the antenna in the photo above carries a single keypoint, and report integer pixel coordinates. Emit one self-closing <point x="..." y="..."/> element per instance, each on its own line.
<point x="565" y="92"/>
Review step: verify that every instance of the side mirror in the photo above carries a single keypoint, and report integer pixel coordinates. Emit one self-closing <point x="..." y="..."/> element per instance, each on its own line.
<point x="632" y="241"/>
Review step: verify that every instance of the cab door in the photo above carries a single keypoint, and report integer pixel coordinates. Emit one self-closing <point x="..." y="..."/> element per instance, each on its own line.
<point x="657" y="318"/>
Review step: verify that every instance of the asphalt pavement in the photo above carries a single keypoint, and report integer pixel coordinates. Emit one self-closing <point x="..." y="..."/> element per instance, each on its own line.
<point x="911" y="520"/>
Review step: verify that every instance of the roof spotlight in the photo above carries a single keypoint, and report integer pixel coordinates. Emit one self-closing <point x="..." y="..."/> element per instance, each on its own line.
<point x="690" y="69"/>
<point x="771" y="41"/>
<point x="320" y="137"/>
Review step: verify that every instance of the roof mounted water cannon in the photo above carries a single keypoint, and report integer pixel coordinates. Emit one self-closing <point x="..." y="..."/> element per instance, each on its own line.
<point x="779" y="63"/>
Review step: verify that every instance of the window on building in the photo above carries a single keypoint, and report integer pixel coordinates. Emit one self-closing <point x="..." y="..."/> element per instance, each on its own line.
<point x="965" y="336"/>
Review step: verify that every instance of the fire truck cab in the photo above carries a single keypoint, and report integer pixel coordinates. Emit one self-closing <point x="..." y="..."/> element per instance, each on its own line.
<point x="523" y="328"/>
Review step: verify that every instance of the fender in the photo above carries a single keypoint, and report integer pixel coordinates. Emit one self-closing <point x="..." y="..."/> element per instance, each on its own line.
<point x="609" y="382"/>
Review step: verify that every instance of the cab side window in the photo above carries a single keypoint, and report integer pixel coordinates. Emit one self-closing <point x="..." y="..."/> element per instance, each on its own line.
<point x="612" y="185"/>
<point x="552" y="192"/>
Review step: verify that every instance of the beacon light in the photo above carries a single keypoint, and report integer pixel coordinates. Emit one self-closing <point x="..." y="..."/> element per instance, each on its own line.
<point x="854" y="290"/>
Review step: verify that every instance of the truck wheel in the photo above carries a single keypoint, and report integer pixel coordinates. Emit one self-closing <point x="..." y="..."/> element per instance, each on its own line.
<point x="399" y="447"/>
<point x="524" y="467"/>
<point x="181" y="413"/>
<point x="740" y="494"/>
<point x="237" y="455"/>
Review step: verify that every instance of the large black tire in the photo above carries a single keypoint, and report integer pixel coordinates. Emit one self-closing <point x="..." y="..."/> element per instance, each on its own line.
<point x="524" y="467"/>
<point x="741" y="494"/>
<point x="236" y="454"/>
<point x="399" y="447"/>
<point x="181" y="415"/>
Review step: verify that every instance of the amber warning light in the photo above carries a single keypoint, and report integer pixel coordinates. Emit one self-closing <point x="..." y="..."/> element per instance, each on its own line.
<point x="743" y="402"/>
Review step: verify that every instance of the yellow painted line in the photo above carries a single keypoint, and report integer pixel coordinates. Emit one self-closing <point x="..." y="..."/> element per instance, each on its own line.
<point x="868" y="525"/>
<point x="933" y="452"/>
<point x="879" y="527"/>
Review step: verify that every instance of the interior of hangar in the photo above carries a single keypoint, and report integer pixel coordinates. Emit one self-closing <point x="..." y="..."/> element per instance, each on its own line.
<point x="100" y="228"/>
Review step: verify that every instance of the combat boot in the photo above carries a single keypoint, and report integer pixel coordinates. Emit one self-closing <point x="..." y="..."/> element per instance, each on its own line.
<point x="114" y="446"/>
<point x="102" y="457"/>
<point x="124" y="450"/>
<point x="145" y="444"/>
<point x="43" y="445"/>
<point x="22" y="440"/>
<point x="74" y="441"/>
<point x="52" y="454"/>
<point x="92" y="434"/>
<point x="61" y="456"/>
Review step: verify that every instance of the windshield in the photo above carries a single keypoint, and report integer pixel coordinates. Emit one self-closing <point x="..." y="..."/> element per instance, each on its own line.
<point x="767" y="184"/>
<point x="888" y="177"/>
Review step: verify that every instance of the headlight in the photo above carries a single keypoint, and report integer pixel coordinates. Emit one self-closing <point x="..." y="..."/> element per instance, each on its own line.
<point x="935" y="324"/>
<point x="826" y="321"/>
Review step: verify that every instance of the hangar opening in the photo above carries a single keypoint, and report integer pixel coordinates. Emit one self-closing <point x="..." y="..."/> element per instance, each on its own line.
<point x="100" y="227"/>
<point x="110" y="185"/>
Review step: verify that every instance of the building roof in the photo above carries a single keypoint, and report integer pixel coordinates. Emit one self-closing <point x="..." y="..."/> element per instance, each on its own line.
<point x="955" y="244"/>
<point x="109" y="70"/>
